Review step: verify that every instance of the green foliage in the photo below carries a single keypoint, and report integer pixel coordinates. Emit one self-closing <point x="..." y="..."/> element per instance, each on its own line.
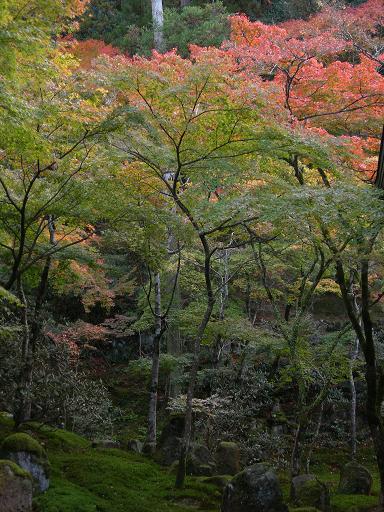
<point x="204" y="26"/>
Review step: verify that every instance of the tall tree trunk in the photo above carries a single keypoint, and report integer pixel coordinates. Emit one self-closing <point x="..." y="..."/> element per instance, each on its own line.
<point x="180" y="476"/>
<point x="31" y="335"/>
<point x="158" y="24"/>
<point x="30" y="338"/>
<point x="150" y="444"/>
<point x="224" y="292"/>
<point x="314" y="438"/>
<point x="374" y="376"/>
<point x="181" y="470"/>
<point x="353" y="357"/>
<point x="297" y="450"/>
<point x="21" y="398"/>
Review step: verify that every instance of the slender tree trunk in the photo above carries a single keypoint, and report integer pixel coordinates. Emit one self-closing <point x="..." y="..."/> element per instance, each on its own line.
<point x="353" y="357"/>
<point x="314" y="439"/>
<point x="180" y="476"/>
<point x="296" y="450"/>
<point x="224" y="292"/>
<point x="150" y="445"/>
<point x="21" y="398"/>
<point x="31" y="335"/>
<point x="158" y="24"/>
<point x="181" y="470"/>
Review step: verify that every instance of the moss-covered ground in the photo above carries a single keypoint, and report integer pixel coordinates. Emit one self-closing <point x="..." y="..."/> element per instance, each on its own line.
<point x="86" y="479"/>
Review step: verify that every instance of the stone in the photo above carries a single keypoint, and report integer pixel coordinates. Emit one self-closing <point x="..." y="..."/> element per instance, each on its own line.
<point x="254" y="489"/>
<point x="170" y="440"/>
<point x="134" y="445"/>
<point x="27" y="453"/>
<point x="355" y="479"/>
<point x="169" y="451"/>
<point x="308" y="491"/>
<point x="228" y="458"/>
<point x="200" y="461"/>
<point x="15" y="488"/>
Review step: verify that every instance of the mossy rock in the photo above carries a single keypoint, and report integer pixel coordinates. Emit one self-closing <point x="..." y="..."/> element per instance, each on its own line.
<point x="255" y="488"/>
<point x="15" y="488"/>
<point x="355" y="479"/>
<point x="27" y="453"/>
<point x="22" y="442"/>
<point x="15" y="468"/>
<point x="228" y="458"/>
<point x="308" y="491"/>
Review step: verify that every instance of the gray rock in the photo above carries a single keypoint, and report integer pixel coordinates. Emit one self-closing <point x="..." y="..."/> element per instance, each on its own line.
<point x="134" y="445"/>
<point x="200" y="461"/>
<point x="27" y="453"/>
<point x="308" y="491"/>
<point x="36" y="466"/>
<point x="15" y="488"/>
<point x="256" y="489"/>
<point x="355" y="479"/>
<point x="228" y="458"/>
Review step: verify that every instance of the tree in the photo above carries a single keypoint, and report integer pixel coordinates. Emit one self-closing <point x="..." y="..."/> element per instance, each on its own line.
<point x="171" y="144"/>
<point x="158" y="24"/>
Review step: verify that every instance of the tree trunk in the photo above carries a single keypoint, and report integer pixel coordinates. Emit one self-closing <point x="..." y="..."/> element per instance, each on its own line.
<point x="30" y="338"/>
<point x="353" y="357"/>
<point x="150" y="444"/>
<point x="314" y="439"/>
<point x="158" y="24"/>
<point x="184" y="3"/>
<point x="296" y="450"/>
<point x="180" y="477"/>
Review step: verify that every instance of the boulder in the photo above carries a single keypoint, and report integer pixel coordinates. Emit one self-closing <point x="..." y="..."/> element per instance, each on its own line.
<point x="134" y="445"/>
<point x="170" y="440"/>
<point x="15" y="488"/>
<point x="200" y="461"/>
<point x="355" y="479"/>
<point x="27" y="453"/>
<point x="228" y="458"/>
<point x="308" y="491"/>
<point x="254" y="489"/>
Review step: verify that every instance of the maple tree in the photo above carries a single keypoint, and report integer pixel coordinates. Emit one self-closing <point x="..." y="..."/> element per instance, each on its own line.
<point x="243" y="169"/>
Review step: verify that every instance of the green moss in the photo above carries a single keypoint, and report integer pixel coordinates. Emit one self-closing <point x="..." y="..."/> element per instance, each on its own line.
<point x="104" y="480"/>
<point x="353" y="503"/>
<point x="304" y="509"/>
<point x="6" y="420"/>
<point x="58" y="439"/>
<point x="17" y="470"/>
<point x="22" y="442"/>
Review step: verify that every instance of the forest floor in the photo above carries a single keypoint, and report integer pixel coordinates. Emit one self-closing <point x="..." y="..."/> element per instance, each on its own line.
<point x="87" y="479"/>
